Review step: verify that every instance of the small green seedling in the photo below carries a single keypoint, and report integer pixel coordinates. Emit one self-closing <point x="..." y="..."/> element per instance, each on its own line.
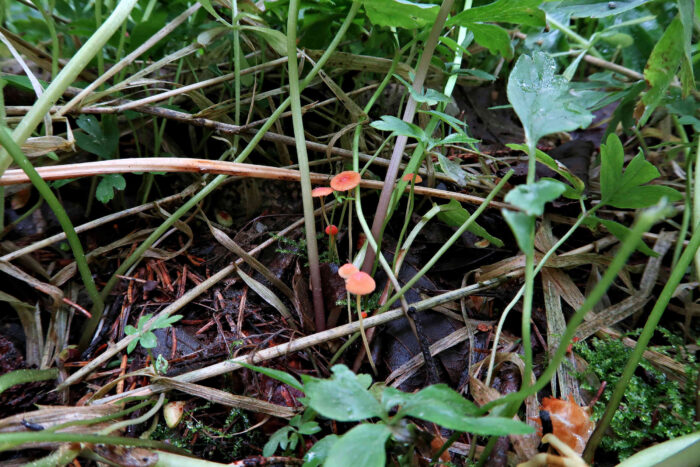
<point x="146" y="338"/>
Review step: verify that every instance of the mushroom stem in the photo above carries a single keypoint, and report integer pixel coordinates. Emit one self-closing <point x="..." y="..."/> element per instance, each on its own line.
<point x="364" y="336"/>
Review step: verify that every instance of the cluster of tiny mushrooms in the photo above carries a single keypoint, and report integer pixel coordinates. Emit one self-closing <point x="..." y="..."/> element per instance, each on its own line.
<point x="357" y="282"/>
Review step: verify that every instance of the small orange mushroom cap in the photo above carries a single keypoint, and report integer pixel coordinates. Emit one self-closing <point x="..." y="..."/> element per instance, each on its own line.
<point x="332" y="230"/>
<point x="320" y="191"/>
<point x="347" y="270"/>
<point x="409" y="177"/>
<point x="345" y="181"/>
<point x="360" y="283"/>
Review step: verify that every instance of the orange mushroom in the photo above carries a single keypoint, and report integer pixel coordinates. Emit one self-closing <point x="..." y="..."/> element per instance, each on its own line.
<point x="347" y="270"/>
<point x="321" y="191"/>
<point x="409" y="177"/>
<point x="345" y="181"/>
<point x="361" y="284"/>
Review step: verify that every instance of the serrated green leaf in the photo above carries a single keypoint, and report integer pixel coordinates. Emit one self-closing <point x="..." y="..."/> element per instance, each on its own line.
<point x="502" y="11"/>
<point x="281" y="376"/>
<point x="455" y="215"/>
<point x="624" y="190"/>
<point x="98" y="138"/>
<point x="542" y="100"/>
<point x="107" y="186"/>
<point x="343" y="397"/>
<point x="398" y="127"/>
<point x="400" y="13"/>
<point x="363" y="445"/>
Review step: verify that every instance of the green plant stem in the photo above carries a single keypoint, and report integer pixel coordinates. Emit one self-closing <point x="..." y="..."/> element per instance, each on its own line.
<point x="458" y="233"/>
<point x="513" y="400"/>
<point x="303" y="160"/>
<point x="688" y="203"/>
<point x="586" y="44"/>
<point x="696" y="203"/>
<point x="128" y="422"/>
<point x="11" y="440"/>
<point x="364" y="335"/>
<point x="60" y="213"/>
<point x="66" y="77"/>
<point x="51" y="25"/>
<point x="98" y="22"/>
<point x="400" y="145"/>
<point x="218" y="180"/>
<point x="538" y="268"/>
<point x="16" y="377"/>
<point x="677" y="275"/>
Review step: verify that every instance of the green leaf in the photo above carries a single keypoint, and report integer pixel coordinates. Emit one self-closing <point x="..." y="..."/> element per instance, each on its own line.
<point x="624" y="189"/>
<point x="279" y="438"/>
<point x="454" y="138"/>
<point x="343" y="397"/>
<point x="620" y="232"/>
<point x="532" y="197"/>
<point x="542" y="100"/>
<point x="22" y="82"/>
<point x="523" y="227"/>
<point x="148" y="340"/>
<point x="400" y="13"/>
<point x="132" y="345"/>
<point x="454" y="215"/>
<point x="684" y="450"/>
<point x="99" y="139"/>
<point x="129" y="330"/>
<point x="685" y="13"/>
<point x="274" y="38"/>
<point x="166" y="321"/>
<point x="363" y="445"/>
<point x="455" y="123"/>
<point x="282" y="376"/>
<point x="453" y="170"/>
<point x="662" y="66"/>
<point x="577" y="184"/>
<point x="207" y="6"/>
<point x="430" y="97"/>
<point x="502" y="11"/>
<point x="319" y="452"/>
<point x="591" y="8"/>
<point x="108" y="184"/>
<point x="398" y="127"/>
<point x="493" y="37"/>
<point x="442" y="405"/>
<point x="309" y="428"/>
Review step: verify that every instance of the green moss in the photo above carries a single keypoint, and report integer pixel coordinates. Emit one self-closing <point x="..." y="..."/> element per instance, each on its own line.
<point x="654" y="408"/>
<point x="220" y="444"/>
